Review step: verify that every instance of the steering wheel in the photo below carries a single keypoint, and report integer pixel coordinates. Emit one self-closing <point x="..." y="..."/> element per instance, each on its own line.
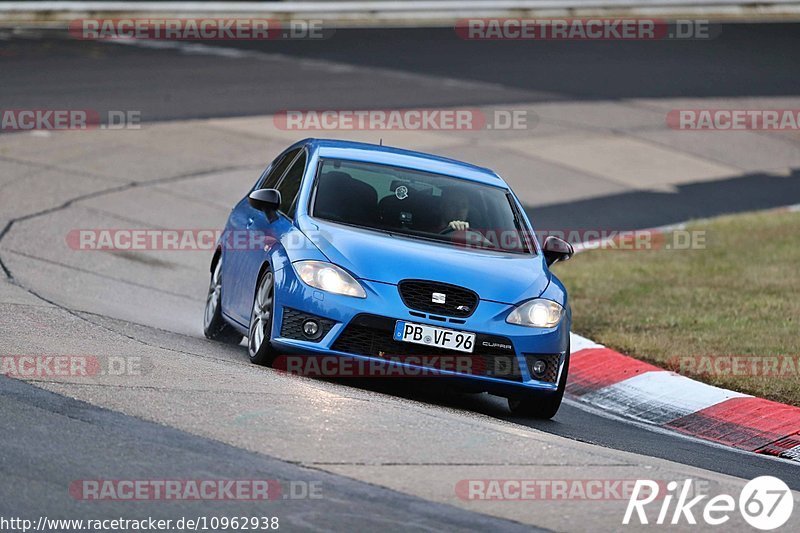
<point x="483" y="240"/>
<point x="447" y="230"/>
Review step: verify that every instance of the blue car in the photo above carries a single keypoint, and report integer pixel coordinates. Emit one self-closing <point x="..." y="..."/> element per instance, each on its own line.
<point x="367" y="253"/>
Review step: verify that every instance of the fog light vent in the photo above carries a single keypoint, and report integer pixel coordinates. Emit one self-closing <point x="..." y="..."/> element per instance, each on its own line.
<point x="304" y="326"/>
<point x="543" y="367"/>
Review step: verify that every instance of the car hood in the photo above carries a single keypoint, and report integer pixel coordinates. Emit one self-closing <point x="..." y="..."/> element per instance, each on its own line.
<point x="377" y="256"/>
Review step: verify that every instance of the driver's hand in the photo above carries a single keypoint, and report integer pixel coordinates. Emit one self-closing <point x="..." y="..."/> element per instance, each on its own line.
<point x="458" y="225"/>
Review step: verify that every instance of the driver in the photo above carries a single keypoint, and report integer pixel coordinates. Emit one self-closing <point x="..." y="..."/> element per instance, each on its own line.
<point x="455" y="210"/>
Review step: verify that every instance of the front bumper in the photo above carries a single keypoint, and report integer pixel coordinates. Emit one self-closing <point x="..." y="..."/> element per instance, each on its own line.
<point x="361" y="328"/>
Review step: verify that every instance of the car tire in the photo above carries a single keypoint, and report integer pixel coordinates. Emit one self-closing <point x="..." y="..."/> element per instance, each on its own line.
<point x="214" y="326"/>
<point x="540" y="406"/>
<point x="258" y="339"/>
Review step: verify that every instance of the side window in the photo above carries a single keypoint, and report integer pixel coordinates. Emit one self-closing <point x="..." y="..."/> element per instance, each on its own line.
<point x="290" y="184"/>
<point x="277" y="169"/>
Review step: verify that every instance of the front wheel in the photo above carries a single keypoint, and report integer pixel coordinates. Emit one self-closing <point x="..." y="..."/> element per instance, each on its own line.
<point x="214" y="326"/>
<point x="543" y="407"/>
<point x="258" y="345"/>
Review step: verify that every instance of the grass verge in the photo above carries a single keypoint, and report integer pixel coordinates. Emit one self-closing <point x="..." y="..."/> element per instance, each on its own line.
<point x="727" y="313"/>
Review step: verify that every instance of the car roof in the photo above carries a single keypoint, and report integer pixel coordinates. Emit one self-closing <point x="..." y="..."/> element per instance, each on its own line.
<point x="388" y="155"/>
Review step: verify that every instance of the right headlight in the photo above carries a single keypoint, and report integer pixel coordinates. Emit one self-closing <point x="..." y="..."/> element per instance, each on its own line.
<point x="538" y="313"/>
<point x="328" y="277"/>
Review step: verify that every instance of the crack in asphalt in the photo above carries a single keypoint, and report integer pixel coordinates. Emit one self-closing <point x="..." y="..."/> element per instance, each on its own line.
<point x="110" y="190"/>
<point x="3" y="266"/>
<point x="96" y="194"/>
<point x="106" y="276"/>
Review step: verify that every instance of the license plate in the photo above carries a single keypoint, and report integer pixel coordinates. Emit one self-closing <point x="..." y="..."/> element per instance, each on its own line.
<point x="432" y="336"/>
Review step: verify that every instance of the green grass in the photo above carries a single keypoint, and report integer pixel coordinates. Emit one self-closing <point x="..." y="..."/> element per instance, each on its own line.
<point x="740" y="295"/>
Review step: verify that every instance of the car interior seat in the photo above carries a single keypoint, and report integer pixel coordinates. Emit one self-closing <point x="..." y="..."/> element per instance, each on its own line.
<point x="340" y="197"/>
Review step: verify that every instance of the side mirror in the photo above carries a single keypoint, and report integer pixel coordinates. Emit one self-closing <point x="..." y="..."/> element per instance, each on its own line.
<point x="266" y="200"/>
<point x="556" y="249"/>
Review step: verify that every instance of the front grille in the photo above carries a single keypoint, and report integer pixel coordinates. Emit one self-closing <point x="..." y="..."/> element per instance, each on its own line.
<point x="292" y="325"/>
<point x="419" y="295"/>
<point x="551" y="372"/>
<point x="371" y="335"/>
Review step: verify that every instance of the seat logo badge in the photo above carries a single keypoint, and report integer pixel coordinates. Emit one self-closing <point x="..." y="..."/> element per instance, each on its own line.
<point x="438" y="298"/>
<point x="401" y="192"/>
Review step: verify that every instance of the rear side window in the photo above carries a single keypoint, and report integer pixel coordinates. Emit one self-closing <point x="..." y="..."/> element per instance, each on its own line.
<point x="290" y="185"/>
<point x="277" y="168"/>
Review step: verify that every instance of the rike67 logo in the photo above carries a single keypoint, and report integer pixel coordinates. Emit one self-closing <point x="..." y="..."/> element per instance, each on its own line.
<point x="765" y="503"/>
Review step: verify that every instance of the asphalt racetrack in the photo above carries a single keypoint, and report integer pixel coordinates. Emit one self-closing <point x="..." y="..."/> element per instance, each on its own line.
<point x="597" y="154"/>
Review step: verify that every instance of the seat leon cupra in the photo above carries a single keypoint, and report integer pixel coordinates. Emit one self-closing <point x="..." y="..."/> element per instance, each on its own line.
<point x="422" y="264"/>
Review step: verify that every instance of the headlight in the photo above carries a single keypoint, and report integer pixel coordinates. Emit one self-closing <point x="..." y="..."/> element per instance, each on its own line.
<point x="329" y="277"/>
<point x="537" y="314"/>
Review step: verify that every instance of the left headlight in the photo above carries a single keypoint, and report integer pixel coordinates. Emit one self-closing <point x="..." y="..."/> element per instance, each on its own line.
<point x="328" y="277"/>
<point x="537" y="313"/>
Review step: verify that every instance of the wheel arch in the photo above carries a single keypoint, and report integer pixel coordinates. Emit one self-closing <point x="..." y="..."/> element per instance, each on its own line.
<point x="215" y="259"/>
<point x="266" y="266"/>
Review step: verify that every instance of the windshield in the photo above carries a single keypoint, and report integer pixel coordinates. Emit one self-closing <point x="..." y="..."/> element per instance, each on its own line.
<point x="419" y="204"/>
